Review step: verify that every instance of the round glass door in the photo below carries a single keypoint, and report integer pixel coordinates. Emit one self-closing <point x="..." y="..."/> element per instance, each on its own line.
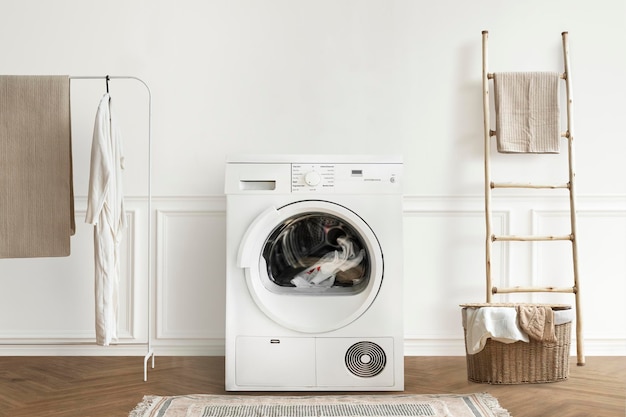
<point x="312" y="266"/>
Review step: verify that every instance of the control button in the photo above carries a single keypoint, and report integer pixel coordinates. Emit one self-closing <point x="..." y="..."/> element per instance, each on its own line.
<point x="312" y="178"/>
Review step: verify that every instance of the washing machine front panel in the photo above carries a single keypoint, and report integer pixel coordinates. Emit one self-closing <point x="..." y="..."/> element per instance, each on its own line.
<point x="312" y="266"/>
<point x="284" y="214"/>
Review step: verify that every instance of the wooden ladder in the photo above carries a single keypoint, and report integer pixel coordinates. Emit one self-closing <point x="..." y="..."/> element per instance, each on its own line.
<point x="490" y="186"/>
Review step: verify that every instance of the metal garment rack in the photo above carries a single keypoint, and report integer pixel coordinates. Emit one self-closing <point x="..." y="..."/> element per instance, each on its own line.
<point x="150" y="353"/>
<point x="489" y="186"/>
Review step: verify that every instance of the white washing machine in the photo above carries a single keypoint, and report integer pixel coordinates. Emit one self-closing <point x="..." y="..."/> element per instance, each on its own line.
<point x="314" y="273"/>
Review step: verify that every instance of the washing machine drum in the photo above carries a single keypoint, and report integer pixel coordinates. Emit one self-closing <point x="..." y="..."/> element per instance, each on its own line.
<point x="312" y="266"/>
<point x="316" y="250"/>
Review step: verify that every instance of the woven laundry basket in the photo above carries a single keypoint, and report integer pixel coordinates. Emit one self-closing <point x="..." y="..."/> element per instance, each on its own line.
<point x="521" y="362"/>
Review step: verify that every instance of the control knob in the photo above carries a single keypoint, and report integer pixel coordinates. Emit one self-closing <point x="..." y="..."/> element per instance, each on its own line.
<point x="312" y="178"/>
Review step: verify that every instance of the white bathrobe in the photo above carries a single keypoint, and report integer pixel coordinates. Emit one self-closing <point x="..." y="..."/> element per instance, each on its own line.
<point x="105" y="210"/>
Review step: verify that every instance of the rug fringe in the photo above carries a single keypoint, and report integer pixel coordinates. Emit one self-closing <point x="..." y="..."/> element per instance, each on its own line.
<point x="142" y="408"/>
<point x="494" y="405"/>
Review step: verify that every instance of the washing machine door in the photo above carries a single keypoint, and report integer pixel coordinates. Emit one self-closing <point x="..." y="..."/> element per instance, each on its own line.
<point x="311" y="266"/>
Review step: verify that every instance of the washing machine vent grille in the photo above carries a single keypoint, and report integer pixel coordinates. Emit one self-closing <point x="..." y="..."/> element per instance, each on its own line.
<point x="365" y="359"/>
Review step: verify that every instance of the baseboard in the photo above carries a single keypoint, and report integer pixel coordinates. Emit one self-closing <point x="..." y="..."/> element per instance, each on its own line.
<point x="72" y="350"/>
<point x="412" y="347"/>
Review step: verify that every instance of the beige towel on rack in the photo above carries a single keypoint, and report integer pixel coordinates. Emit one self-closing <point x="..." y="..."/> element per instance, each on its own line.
<point x="527" y="112"/>
<point x="36" y="192"/>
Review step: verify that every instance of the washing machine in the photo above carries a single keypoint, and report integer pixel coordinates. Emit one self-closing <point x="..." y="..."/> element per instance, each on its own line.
<point x="314" y="273"/>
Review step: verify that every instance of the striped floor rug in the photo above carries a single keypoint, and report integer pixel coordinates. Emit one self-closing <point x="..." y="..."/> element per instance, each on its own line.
<point x="404" y="405"/>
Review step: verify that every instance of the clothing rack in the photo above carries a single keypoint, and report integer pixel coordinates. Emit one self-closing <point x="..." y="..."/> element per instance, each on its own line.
<point x="107" y="78"/>
<point x="150" y="352"/>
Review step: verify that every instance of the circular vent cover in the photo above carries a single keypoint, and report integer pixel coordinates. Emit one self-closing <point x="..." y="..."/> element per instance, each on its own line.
<point x="365" y="359"/>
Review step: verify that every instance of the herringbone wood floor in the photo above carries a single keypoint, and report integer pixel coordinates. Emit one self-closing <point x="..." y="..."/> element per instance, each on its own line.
<point x="112" y="386"/>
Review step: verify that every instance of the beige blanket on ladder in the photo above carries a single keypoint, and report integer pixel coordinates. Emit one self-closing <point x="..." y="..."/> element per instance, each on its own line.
<point x="527" y="112"/>
<point x="36" y="191"/>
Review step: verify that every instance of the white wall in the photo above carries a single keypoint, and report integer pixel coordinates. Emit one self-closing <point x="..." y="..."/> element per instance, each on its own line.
<point x="308" y="77"/>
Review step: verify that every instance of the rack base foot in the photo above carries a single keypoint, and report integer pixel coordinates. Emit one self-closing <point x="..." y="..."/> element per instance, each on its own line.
<point x="149" y="355"/>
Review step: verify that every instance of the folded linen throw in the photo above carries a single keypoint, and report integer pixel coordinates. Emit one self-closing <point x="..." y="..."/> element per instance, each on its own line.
<point x="36" y="192"/>
<point x="527" y="112"/>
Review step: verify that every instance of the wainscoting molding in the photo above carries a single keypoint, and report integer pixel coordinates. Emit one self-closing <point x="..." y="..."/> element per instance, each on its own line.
<point x="189" y="276"/>
<point x="444" y="267"/>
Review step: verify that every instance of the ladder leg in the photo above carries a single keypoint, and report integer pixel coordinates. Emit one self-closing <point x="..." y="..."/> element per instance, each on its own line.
<point x="572" y="173"/>
<point x="487" y="133"/>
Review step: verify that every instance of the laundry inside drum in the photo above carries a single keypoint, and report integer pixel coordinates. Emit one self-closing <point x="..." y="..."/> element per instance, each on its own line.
<point x="317" y="251"/>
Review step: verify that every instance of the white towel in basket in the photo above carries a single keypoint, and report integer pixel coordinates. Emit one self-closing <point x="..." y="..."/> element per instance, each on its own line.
<point x="497" y="323"/>
<point x="527" y="112"/>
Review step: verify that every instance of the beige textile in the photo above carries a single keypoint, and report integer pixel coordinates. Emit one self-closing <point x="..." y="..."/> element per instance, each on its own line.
<point x="527" y="112"/>
<point x="537" y="322"/>
<point x="408" y="405"/>
<point x="36" y="192"/>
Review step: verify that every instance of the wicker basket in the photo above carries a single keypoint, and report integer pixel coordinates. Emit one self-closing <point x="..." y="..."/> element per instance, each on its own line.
<point x="521" y="362"/>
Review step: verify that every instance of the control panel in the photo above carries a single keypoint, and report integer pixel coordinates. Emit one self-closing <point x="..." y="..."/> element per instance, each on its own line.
<point x="344" y="178"/>
<point x="312" y="177"/>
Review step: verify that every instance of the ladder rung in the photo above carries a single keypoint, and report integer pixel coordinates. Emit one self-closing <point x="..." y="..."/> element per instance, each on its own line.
<point x="563" y="134"/>
<point x="527" y="185"/>
<point x="496" y="290"/>
<point x="509" y="238"/>
<point x="562" y="75"/>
